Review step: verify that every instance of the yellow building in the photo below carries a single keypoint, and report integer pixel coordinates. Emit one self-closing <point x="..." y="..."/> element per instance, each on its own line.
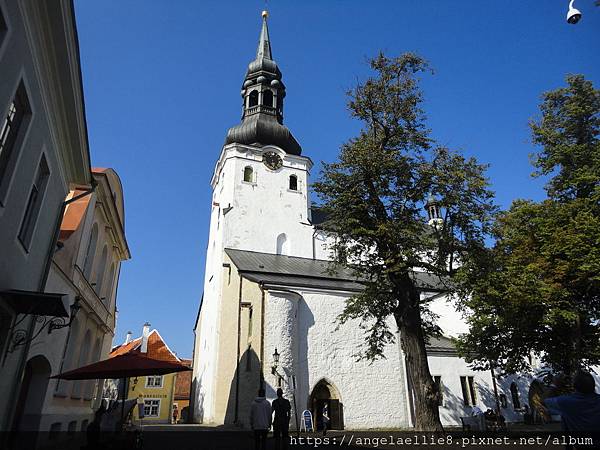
<point x="156" y="391"/>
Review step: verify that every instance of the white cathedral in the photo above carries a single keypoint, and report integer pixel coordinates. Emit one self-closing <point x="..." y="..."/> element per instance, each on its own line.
<point x="268" y="313"/>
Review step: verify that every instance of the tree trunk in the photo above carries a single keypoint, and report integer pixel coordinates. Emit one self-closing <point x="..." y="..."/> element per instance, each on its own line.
<point x="427" y="417"/>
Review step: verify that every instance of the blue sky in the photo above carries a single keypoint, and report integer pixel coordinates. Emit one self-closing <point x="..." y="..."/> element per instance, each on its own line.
<point x="162" y="81"/>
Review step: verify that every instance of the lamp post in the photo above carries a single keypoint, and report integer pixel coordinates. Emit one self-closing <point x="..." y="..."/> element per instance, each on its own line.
<point x="275" y="362"/>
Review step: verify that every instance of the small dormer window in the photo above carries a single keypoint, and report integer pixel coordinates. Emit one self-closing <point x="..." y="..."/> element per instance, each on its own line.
<point x="267" y="98"/>
<point x="248" y="174"/>
<point x="253" y="99"/>
<point x="293" y="183"/>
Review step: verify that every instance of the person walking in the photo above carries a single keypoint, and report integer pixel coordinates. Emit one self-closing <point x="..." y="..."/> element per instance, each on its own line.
<point x="281" y="423"/>
<point x="326" y="419"/>
<point x="175" y="414"/>
<point x="260" y="420"/>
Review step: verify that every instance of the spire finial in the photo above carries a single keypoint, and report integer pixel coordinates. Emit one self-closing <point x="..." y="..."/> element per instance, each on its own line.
<point x="264" y="45"/>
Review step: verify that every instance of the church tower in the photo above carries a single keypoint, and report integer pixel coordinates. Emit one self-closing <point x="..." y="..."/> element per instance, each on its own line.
<point x="260" y="182"/>
<point x="260" y="203"/>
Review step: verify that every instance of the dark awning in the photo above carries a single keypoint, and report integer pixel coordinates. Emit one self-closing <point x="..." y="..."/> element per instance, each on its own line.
<point x="36" y="303"/>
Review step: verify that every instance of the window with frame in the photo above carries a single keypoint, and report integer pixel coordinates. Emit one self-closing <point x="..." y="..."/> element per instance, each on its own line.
<point x="18" y="111"/>
<point x="437" y="381"/>
<point x="503" y="400"/>
<point x="154" y="381"/>
<point x="36" y="197"/>
<point x="468" y="390"/>
<point x="267" y="98"/>
<point x="151" y="407"/>
<point x="248" y="174"/>
<point x="293" y="186"/>
<point x="253" y="99"/>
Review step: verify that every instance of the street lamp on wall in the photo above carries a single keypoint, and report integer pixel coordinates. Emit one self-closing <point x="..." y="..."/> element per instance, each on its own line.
<point x="275" y="362"/>
<point x="58" y="323"/>
<point x="19" y="336"/>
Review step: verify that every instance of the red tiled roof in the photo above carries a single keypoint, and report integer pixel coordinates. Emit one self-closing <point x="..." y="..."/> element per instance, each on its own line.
<point x="157" y="348"/>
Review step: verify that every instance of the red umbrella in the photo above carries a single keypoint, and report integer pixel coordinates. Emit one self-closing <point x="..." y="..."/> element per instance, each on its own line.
<point x="127" y="365"/>
<point x="123" y="366"/>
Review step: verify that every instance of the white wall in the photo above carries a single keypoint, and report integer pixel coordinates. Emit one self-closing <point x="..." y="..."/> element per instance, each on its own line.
<point x="372" y="395"/>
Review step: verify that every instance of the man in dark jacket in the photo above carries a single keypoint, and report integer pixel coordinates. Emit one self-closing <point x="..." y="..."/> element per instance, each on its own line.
<point x="281" y="423"/>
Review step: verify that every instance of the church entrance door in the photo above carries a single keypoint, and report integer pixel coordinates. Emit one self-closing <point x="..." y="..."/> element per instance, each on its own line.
<point x="325" y="394"/>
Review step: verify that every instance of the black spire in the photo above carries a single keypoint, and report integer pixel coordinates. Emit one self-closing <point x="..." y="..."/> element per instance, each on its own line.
<point x="263" y="93"/>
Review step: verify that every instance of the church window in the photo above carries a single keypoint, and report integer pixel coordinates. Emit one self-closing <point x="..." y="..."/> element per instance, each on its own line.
<point x="250" y="322"/>
<point x="267" y="98"/>
<point x="253" y="99"/>
<point x="282" y="244"/>
<point x="293" y="183"/>
<point x="514" y="393"/>
<point x="248" y="174"/>
<point x="437" y="380"/>
<point x="468" y="390"/>
<point x="503" y="400"/>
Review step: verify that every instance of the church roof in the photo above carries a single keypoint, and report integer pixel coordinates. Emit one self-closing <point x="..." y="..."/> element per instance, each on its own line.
<point x="292" y="270"/>
<point x="262" y="123"/>
<point x="286" y="270"/>
<point x="440" y="346"/>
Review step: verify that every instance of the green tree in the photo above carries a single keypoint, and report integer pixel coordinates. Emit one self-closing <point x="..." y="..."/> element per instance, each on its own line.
<point x="375" y="195"/>
<point x="538" y="289"/>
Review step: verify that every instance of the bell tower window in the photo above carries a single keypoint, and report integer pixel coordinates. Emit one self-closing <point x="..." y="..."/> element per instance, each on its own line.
<point x="248" y="174"/>
<point x="293" y="183"/>
<point x="267" y="98"/>
<point x="253" y="99"/>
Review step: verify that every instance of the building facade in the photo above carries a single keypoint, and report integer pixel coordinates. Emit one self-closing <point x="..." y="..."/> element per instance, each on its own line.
<point x="43" y="156"/>
<point x="181" y="399"/>
<point x="85" y="268"/>
<point x="156" y="391"/>
<point x="269" y="293"/>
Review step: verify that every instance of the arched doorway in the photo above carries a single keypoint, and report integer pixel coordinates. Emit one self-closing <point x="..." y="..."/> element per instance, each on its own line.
<point x="325" y="393"/>
<point x="32" y="394"/>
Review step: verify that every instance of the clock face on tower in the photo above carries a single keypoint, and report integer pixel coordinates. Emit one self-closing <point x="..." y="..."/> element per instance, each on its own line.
<point x="272" y="160"/>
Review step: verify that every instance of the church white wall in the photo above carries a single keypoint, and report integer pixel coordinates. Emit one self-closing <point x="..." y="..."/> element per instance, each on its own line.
<point x="318" y="351"/>
<point x="449" y="319"/>
<point x="451" y="368"/>
<point x="265" y="204"/>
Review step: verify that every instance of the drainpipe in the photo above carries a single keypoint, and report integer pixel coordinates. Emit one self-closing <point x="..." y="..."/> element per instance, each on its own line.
<point x="237" y="362"/>
<point x="41" y="288"/>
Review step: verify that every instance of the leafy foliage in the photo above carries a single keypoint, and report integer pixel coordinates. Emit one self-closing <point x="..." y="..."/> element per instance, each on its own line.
<point x="538" y="289"/>
<point x="375" y="195"/>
